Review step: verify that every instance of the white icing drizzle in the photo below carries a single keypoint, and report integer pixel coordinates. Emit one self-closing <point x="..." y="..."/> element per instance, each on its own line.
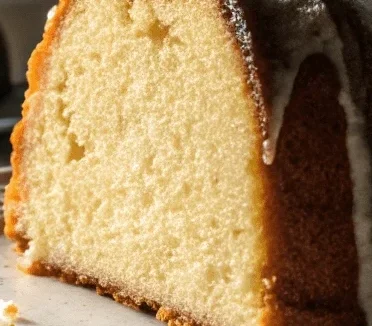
<point x="51" y="13"/>
<point x="328" y="42"/>
<point x="360" y="162"/>
<point x="284" y="78"/>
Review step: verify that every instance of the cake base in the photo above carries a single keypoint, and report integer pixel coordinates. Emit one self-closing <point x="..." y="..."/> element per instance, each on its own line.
<point x="131" y="300"/>
<point x="276" y="313"/>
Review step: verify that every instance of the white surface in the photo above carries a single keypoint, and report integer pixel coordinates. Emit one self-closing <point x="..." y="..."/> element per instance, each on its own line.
<point x="46" y="302"/>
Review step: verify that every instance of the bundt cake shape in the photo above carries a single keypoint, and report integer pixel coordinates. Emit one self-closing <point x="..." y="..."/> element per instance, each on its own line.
<point x="208" y="160"/>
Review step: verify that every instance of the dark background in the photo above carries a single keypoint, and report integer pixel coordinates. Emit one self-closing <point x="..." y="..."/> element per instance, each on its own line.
<point x="21" y="27"/>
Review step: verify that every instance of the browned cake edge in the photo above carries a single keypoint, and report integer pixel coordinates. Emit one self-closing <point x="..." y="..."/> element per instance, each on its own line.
<point x="309" y="227"/>
<point x="130" y="299"/>
<point x="275" y="313"/>
<point x="15" y="191"/>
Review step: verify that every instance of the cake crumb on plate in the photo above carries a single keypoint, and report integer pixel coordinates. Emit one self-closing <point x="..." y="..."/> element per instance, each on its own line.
<point x="8" y="313"/>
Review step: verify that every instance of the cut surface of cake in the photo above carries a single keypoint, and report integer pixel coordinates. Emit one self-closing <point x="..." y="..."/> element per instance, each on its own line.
<point x="208" y="160"/>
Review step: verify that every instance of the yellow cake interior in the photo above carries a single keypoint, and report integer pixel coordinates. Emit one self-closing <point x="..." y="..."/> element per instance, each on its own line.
<point x="141" y="155"/>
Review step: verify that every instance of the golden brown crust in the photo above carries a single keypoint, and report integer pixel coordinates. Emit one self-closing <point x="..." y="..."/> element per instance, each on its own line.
<point x="162" y="313"/>
<point x="276" y="312"/>
<point x="276" y="315"/>
<point x="16" y="192"/>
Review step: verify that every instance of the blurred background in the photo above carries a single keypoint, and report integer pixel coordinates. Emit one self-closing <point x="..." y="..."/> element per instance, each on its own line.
<point x="21" y="27"/>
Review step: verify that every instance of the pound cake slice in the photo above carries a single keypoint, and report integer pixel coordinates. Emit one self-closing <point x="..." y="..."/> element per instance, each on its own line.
<point x="208" y="160"/>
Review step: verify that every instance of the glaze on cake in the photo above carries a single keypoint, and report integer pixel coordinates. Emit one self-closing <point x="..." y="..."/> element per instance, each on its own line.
<point x="312" y="30"/>
<point x="218" y="171"/>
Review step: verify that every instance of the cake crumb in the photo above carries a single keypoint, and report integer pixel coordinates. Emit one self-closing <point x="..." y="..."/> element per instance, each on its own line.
<point x="8" y="313"/>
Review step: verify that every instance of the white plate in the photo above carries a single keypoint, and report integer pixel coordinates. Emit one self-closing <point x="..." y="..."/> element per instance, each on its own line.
<point x="44" y="301"/>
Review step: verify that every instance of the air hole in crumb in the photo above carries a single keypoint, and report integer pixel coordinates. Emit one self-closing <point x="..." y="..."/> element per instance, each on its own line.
<point x="67" y="226"/>
<point x="226" y="273"/>
<point x="214" y="223"/>
<point x="61" y="107"/>
<point x="211" y="275"/>
<point x="62" y="85"/>
<point x="186" y="188"/>
<point x="122" y="192"/>
<point x="148" y="164"/>
<point x="123" y="89"/>
<point x="148" y="199"/>
<point x="79" y="71"/>
<point x="158" y="32"/>
<point x="174" y="242"/>
<point x="95" y="57"/>
<point x="126" y="18"/>
<point x="236" y="233"/>
<point x="77" y="152"/>
<point x="97" y="203"/>
<point x="161" y="277"/>
<point x="177" y="142"/>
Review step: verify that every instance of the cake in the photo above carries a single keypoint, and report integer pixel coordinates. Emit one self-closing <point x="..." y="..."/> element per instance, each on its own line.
<point x="206" y="160"/>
